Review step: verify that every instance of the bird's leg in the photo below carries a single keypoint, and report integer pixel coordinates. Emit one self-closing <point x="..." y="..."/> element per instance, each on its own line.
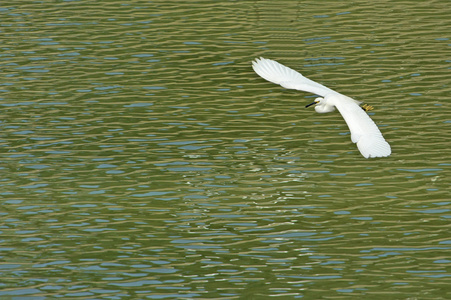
<point x="367" y="107"/>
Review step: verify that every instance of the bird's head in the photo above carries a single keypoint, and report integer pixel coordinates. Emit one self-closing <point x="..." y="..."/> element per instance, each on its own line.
<point x="322" y="105"/>
<point x="317" y="101"/>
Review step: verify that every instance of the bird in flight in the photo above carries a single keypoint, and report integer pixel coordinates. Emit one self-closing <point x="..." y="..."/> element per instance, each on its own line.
<point x="364" y="132"/>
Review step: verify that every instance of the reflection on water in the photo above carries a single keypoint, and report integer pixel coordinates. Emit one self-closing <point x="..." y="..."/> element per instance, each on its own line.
<point x="143" y="158"/>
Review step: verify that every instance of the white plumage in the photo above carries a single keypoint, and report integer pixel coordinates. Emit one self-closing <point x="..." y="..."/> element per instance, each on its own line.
<point x="364" y="131"/>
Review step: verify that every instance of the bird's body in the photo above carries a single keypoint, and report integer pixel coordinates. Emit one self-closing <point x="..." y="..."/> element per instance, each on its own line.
<point x="364" y="131"/>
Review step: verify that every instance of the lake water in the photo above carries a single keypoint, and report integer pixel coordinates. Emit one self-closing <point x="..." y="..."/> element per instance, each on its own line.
<point x="142" y="158"/>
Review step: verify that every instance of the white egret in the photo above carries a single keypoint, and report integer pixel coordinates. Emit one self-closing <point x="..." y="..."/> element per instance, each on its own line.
<point x="364" y="131"/>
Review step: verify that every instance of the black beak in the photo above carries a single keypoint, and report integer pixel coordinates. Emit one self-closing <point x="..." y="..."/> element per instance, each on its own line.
<point x="310" y="104"/>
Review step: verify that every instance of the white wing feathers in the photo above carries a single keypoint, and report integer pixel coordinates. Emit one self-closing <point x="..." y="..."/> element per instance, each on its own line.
<point x="288" y="78"/>
<point x="364" y="132"/>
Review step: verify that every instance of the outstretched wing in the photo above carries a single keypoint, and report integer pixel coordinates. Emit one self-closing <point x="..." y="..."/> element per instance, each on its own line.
<point x="288" y="78"/>
<point x="364" y="132"/>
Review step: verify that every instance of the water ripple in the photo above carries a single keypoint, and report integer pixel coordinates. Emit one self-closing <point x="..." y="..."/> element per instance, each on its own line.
<point x="142" y="157"/>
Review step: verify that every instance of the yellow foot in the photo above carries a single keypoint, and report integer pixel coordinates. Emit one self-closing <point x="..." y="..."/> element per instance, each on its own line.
<point x="367" y="107"/>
